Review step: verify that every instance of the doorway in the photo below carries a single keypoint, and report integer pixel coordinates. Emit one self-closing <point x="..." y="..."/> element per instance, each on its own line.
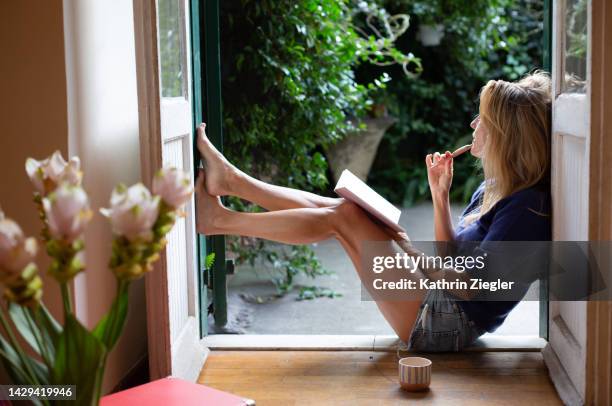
<point x="253" y="305"/>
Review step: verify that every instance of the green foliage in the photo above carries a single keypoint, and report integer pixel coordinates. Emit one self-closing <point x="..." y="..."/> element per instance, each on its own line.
<point x="497" y="39"/>
<point x="209" y="260"/>
<point x="289" y="89"/>
<point x="69" y="367"/>
<point x="70" y="355"/>
<point x="108" y="330"/>
<point x="288" y="83"/>
<point x="284" y="263"/>
<point x="455" y="13"/>
<point x="313" y="292"/>
<point x="576" y="42"/>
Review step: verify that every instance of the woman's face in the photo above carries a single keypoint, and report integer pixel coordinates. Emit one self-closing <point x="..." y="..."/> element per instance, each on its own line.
<point x="479" y="137"/>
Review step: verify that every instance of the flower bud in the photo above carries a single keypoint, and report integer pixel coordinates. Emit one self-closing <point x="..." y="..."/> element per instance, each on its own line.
<point x="47" y="174"/>
<point x="173" y="186"/>
<point x="25" y="287"/>
<point x="16" y="251"/>
<point x="133" y="212"/>
<point x="67" y="212"/>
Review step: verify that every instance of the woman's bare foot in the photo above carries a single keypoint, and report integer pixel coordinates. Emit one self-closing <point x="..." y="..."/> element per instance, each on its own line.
<point x="210" y="210"/>
<point x="220" y="174"/>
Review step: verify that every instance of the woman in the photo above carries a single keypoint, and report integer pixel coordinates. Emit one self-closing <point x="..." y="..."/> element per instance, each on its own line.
<point x="511" y="138"/>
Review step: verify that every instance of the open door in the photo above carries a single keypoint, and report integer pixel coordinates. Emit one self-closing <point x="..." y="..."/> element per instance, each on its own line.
<point x="208" y="107"/>
<point x="566" y="352"/>
<point x="165" y="93"/>
<point x="579" y="352"/>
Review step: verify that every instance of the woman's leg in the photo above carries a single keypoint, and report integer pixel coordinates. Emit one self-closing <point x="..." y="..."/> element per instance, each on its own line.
<point x="223" y="179"/>
<point x="344" y="221"/>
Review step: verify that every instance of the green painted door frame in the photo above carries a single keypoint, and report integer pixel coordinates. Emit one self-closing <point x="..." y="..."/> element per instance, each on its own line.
<point x="547" y="65"/>
<point x="206" y="68"/>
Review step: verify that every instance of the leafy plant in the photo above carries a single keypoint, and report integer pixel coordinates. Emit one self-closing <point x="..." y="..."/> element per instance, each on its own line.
<point x="496" y="39"/>
<point x="70" y="354"/>
<point x="289" y="89"/>
<point x="209" y="260"/>
<point x="313" y="292"/>
<point x="288" y="81"/>
<point x="283" y="264"/>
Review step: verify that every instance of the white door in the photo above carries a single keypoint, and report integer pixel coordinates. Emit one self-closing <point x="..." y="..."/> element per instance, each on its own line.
<point x="165" y="87"/>
<point x="565" y="354"/>
<point x="177" y="150"/>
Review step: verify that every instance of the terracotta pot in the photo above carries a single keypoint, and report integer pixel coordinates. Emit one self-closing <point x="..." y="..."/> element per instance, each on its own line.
<point x="356" y="152"/>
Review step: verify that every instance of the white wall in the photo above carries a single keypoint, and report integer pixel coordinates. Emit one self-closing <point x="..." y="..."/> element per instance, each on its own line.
<point x="103" y="131"/>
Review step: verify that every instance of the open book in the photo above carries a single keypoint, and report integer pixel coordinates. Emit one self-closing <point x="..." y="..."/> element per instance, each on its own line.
<point x="354" y="189"/>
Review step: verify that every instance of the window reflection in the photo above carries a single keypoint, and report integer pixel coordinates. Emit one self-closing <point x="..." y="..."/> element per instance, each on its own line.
<point x="575" y="48"/>
<point x="170" y="47"/>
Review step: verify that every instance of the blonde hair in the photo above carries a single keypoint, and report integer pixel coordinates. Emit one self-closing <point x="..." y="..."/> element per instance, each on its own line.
<point x="516" y="154"/>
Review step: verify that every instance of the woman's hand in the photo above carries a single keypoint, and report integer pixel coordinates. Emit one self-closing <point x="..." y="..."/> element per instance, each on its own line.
<point x="439" y="174"/>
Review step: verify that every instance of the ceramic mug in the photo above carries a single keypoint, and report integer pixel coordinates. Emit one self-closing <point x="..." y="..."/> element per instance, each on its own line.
<point x="414" y="373"/>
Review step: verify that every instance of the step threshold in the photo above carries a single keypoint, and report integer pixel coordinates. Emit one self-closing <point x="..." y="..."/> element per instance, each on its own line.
<point x="271" y="342"/>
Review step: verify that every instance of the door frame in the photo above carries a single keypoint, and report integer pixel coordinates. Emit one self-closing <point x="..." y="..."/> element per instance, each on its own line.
<point x="207" y="107"/>
<point x="547" y="65"/>
<point x="210" y="72"/>
<point x="598" y="384"/>
<point x="599" y="313"/>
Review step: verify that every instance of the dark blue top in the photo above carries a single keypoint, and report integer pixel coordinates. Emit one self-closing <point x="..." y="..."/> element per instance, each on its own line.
<point x="522" y="216"/>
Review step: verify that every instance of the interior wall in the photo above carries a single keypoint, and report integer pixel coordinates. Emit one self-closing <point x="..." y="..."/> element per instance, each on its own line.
<point x="103" y="131"/>
<point x="33" y="119"/>
<point x="72" y="87"/>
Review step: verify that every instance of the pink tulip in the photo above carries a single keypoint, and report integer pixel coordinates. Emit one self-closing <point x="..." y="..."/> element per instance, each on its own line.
<point x="133" y="212"/>
<point x="67" y="211"/>
<point x="45" y="175"/>
<point x="173" y="186"/>
<point x="16" y="251"/>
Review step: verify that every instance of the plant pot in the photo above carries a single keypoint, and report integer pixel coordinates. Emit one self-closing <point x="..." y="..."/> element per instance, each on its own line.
<point x="356" y="152"/>
<point x="430" y="35"/>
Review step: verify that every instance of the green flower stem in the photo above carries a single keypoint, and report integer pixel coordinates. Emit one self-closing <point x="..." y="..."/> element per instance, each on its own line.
<point x="66" y="299"/>
<point x="99" y="378"/>
<point x="122" y="288"/>
<point x="24" y="358"/>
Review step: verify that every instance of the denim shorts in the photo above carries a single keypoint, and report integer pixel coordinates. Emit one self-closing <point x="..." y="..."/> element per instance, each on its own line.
<point x="442" y="325"/>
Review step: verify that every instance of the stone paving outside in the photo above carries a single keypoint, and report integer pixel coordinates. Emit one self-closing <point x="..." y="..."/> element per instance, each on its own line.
<point x="342" y="315"/>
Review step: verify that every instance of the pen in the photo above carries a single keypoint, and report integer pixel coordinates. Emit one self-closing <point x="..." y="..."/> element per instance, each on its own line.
<point x="456" y="153"/>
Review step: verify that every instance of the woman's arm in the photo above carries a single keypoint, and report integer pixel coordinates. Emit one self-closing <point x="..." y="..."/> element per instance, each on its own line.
<point x="440" y="178"/>
<point x="434" y="273"/>
<point x="443" y="224"/>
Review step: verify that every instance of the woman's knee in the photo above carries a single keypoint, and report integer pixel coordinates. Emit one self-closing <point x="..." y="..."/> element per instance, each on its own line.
<point x="344" y="214"/>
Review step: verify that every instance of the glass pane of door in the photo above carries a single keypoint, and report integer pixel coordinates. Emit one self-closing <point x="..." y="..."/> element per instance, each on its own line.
<point x="575" y="47"/>
<point x="171" y="45"/>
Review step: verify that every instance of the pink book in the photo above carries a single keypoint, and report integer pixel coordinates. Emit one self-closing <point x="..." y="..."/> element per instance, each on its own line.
<point x="354" y="189"/>
<point x="173" y="392"/>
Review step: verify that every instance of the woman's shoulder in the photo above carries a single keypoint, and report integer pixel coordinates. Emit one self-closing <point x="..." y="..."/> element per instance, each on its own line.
<point x="523" y="216"/>
<point x="535" y="199"/>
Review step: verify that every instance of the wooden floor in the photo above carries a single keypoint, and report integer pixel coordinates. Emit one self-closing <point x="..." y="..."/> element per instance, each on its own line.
<point x="370" y="378"/>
